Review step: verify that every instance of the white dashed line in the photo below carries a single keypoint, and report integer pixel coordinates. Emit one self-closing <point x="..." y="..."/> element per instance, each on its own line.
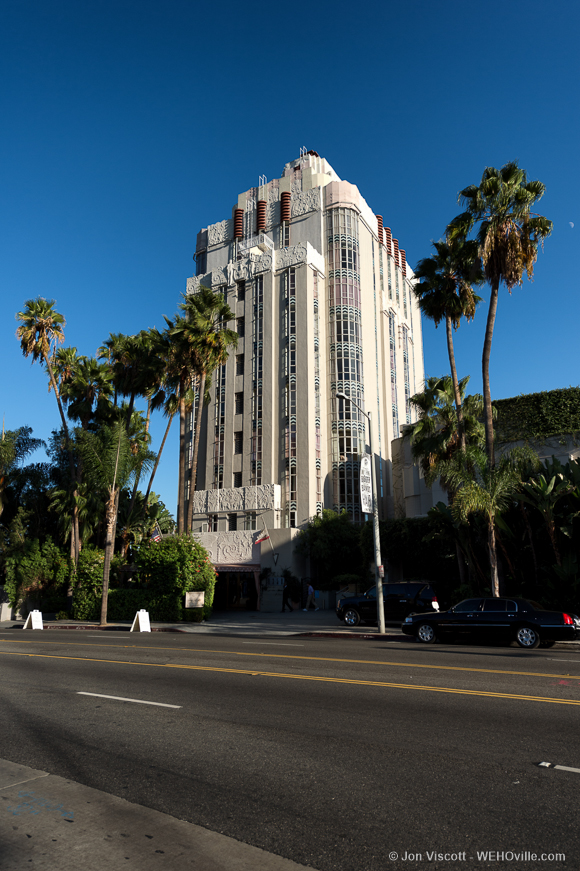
<point x="277" y="643"/>
<point x="559" y="767"/>
<point x="121" y="699"/>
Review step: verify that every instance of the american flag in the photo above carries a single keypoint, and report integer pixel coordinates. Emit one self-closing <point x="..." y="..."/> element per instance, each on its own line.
<point x="156" y="535"/>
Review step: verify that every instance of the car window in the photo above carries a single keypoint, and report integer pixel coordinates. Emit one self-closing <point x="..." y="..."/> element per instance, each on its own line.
<point x="535" y="605"/>
<point x="372" y="593"/>
<point x="511" y="606"/>
<point x="468" y="605"/>
<point x="494" y="604"/>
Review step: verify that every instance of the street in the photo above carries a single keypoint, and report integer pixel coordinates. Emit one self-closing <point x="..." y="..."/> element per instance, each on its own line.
<point x="335" y="754"/>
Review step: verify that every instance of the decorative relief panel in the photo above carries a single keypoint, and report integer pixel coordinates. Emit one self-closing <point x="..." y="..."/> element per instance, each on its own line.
<point x="235" y="547"/>
<point x="266" y="496"/>
<point x="292" y="256"/>
<point x="192" y="285"/>
<point x="296" y="188"/>
<point x="223" y="231"/>
<point x="309" y="201"/>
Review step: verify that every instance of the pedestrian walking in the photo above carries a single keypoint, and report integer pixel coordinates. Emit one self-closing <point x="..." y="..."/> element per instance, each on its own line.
<point x="310" y="599"/>
<point x="286" y="598"/>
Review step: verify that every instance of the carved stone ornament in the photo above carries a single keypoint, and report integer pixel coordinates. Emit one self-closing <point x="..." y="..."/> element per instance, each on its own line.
<point x="292" y="256"/>
<point x="192" y="285"/>
<point x="266" y="496"/>
<point x="235" y="547"/>
<point x="218" y="277"/>
<point x="220" y="232"/>
<point x="296" y="188"/>
<point x="309" y="201"/>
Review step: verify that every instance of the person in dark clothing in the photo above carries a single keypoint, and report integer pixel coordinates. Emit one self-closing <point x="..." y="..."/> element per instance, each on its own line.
<point x="285" y="598"/>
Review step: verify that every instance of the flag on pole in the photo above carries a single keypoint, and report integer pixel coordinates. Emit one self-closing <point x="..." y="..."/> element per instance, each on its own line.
<point x="264" y="538"/>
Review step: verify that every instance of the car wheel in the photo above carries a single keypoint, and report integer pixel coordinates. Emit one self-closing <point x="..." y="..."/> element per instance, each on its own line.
<point x="547" y="643"/>
<point x="351" y="617"/>
<point x="527" y="637"/>
<point x="426" y="633"/>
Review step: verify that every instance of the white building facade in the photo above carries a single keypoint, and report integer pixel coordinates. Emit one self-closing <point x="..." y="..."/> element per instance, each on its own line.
<point x="323" y="301"/>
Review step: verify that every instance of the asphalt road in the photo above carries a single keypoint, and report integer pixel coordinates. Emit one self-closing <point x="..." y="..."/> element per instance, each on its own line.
<point x="336" y="754"/>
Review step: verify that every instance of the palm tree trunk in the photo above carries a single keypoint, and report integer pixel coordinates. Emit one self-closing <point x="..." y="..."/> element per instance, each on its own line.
<point x="112" y="509"/>
<point x="487" y="408"/>
<point x="492" y="557"/>
<point x="193" y="474"/>
<point x="455" y="380"/>
<point x="71" y="462"/>
<point x="157" y="459"/>
<point x="182" y="452"/>
<point x="109" y="546"/>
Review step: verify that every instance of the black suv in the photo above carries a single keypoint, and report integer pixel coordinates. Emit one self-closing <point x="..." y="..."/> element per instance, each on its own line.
<point x="400" y="600"/>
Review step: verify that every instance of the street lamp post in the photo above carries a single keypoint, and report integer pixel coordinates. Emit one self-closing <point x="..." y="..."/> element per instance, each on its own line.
<point x="377" y="540"/>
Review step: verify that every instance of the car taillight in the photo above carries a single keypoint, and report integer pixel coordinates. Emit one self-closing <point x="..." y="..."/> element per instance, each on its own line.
<point x="568" y="620"/>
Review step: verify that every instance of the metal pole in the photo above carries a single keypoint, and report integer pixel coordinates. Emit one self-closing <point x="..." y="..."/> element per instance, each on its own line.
<point x="377" y="537"/>
<point x="376" y="533"/>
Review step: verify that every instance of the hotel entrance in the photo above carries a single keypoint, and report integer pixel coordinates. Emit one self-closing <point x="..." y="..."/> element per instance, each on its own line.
<point x="237" y="588"/>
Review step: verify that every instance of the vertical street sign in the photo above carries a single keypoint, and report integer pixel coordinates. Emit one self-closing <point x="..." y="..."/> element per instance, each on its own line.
<point x="366" y="486"/>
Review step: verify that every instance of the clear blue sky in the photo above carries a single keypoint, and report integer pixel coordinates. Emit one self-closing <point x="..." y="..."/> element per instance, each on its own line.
<point x="127" y="125"/>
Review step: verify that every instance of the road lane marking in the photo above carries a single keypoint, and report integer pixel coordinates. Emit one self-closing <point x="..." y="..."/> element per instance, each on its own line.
<point x="209" y="652"/>
<point x="559" y="767"/>
<point x="276" y="643"/>
<point x="122" y="699"/>
<point x="340" y="680"/>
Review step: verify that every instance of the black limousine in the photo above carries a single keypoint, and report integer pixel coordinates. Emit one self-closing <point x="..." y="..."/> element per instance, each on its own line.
<point x="497" y="619"/>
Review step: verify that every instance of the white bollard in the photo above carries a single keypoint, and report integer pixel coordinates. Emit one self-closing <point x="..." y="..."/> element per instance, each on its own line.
<point x="141" y="622"/>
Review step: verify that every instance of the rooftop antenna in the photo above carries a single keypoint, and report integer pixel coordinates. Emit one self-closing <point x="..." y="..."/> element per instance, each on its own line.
<point x="303" y="152"/>
<point x="263" y="180"/>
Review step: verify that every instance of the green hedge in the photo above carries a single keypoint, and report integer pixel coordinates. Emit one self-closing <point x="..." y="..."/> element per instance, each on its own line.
<point x="538" y="415"/>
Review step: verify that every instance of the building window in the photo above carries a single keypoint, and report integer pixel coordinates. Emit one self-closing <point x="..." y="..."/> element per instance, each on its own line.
<point x="239" y="409"/>
<point x="250" y="522"/>
<point x="239" y="364"/>
<point x="212" y="523"/>
<point x="241" y="290"/>
<point x="232" y="522"/>
<point x="241" y="327"/>
<point x="238" y="442"/>
<point x="201" y="263"/>
<point x="237" y="479"/>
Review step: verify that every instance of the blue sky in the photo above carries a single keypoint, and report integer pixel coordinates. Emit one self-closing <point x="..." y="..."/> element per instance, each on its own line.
<point x="127" y="126"/>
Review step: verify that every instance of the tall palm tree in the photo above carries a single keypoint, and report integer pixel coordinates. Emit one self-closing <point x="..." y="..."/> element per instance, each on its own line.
<point x="508" y="235"/>
<point x="41" y="330"/>
<point x="88" y="390"/>
<point x="209" y="314"/>
<point x="446" y="293"/>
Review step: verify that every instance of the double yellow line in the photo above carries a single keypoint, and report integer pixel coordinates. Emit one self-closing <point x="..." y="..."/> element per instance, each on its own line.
<point x="275" y="674"/>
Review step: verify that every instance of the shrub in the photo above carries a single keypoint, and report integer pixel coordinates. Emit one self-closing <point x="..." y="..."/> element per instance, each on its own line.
<point x="40" y="572"/>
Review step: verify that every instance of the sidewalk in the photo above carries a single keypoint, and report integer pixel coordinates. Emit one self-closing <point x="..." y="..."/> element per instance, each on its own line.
<point x="244" y="623"/>
<point x="52" y="824"/>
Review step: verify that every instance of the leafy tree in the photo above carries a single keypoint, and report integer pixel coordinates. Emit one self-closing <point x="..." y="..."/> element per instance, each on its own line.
<point x="446" y="293"/>
<point x="332" y="541"/>
<point x="15" y="446"/>
<point x="508" y="235"/>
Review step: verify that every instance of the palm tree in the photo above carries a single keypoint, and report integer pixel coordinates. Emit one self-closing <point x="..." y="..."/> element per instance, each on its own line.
<point x="40" y="331"/>
<point x="435" y="437"/>
<point x="201" y="342"/>
<point x="486" y="490"/>
<point x="88" y="390"/>
<point x="446" y="293"/>
<point x="111" y="460"/>
<point x="509" y="234"/>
